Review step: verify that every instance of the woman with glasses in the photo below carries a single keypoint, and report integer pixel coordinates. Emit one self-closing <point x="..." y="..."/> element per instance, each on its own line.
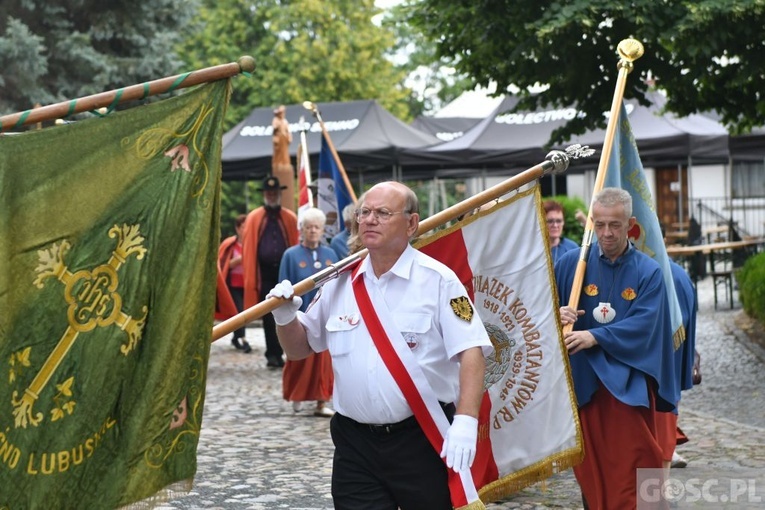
<point x="558" y="244"/>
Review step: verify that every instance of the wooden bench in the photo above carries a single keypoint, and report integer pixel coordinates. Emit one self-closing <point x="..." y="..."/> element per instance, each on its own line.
<point x="716" y="234"/>
<point x="716" y="253"/>
<point x="677" y="236"/>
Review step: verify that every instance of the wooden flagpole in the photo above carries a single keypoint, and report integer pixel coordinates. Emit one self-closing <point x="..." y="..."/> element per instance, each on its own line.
<point x="629" y="50"/>
<point x="308" y="105"/>
<point x="557" y="162"/>
<point x="134" y="92"/>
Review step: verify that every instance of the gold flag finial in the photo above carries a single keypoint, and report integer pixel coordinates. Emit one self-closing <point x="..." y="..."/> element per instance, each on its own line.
<point x="629" y="50"/>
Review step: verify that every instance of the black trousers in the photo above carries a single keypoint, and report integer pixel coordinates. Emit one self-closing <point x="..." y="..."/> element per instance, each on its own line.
<point x="237" y="294"/>
<point x="269" y="277"/>
<point x="375" y="469"/>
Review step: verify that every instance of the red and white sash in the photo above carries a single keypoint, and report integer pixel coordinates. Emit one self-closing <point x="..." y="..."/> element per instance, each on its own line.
<point x="408" y="374"/>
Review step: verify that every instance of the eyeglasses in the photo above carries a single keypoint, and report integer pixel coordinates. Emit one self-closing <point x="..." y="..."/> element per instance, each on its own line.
<point x="381" y="215"/>
<point x="555" y="222"/>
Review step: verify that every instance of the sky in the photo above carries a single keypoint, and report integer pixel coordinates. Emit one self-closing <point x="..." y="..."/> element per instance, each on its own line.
<point x="471" y="104"/>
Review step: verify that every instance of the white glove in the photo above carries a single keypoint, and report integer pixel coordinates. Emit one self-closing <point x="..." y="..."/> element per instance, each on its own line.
<point x="460" y="443"/>
<point x="287" y="312"/>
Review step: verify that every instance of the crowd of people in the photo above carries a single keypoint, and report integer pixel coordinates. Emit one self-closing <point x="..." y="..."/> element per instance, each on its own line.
<point x="272" y="244"/>
<point x="401" y="316"/>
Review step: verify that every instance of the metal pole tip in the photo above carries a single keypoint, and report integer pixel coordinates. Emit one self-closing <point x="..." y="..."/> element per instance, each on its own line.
<point x="559" y="159"/>
<point x="630" y="49"/>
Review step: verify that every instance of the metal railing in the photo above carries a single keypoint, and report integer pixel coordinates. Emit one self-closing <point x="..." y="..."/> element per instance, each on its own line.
<point x="743" y="217"/>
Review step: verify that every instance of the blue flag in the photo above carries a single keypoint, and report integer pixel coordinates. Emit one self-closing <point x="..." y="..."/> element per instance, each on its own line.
<point x="626" y="171"/>
<point x="333" y="193"/>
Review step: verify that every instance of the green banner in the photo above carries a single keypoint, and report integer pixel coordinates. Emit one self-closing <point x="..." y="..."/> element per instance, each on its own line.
<point x="108" y="242"/>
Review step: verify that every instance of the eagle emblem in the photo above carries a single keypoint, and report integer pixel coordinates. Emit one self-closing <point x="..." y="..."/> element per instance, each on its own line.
<point x="462" y="308"/>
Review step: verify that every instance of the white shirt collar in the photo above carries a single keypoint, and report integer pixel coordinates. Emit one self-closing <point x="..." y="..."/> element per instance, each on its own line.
<point x="402" y="268"/>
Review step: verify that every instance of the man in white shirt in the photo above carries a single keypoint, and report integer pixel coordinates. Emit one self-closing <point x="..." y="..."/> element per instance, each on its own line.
<point x="384" y="458"/>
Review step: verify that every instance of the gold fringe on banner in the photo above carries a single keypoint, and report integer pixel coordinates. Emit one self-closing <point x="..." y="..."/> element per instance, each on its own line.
<point x="679" y="337"/>
<point x="535" y="473"/>
<point x="475" y="505"/>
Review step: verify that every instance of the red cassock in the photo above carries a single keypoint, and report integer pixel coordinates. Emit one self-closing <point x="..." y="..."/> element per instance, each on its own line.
<point x="253" y="227"/>
<point x="608" y="481"/>
<point x="308" y="379"/>
<point x="224" y="303"/>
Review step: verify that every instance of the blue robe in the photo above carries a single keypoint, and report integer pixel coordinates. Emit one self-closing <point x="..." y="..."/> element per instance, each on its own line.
<point x="339" y="243"/>
<point x="564" y="245"/>
<point x="686" y="296"/>
<point x="297" y="264"/>
<point x="634" y="350"/>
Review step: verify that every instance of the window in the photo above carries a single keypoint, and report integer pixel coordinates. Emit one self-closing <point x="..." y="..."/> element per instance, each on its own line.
<point x="748" y="180"/>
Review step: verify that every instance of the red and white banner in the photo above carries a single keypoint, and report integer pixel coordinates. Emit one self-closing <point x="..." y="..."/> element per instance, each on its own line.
<point x="529" y="426"/>
<point x="305" y="195"/>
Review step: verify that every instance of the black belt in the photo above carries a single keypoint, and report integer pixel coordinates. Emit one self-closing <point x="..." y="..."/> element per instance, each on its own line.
<point x="408" y="423"/>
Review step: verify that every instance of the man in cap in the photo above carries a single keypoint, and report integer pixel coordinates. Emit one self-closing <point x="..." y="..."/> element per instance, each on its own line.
<point x="268" y="231"/>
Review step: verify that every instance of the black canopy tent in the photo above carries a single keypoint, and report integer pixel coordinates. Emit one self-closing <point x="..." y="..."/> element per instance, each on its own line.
<point x="663" y="139"/>
<point x="445" y="129"/>
<point x="749" y="148"/>
<point x="508" y="141"/>
<point x="368" y="139"/>
<point x="374" y="144"/>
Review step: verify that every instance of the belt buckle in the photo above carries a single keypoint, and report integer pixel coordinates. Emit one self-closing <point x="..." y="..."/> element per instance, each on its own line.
<point x="379" y="429"/>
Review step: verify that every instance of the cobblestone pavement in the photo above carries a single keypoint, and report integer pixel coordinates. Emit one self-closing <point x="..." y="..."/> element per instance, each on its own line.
<point x="255" y="452"/>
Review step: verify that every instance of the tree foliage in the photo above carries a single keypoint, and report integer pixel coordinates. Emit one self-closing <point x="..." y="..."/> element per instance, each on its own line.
<point x="317" y="50"/>
<point x="751" y="284"/>
<point x="704" y="53"/>
<point x="56" y="50"/>
<point x="430" y="77"/>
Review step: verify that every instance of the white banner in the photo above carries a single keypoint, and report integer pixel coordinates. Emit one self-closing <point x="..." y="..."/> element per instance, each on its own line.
<point x="529" y="426"/>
